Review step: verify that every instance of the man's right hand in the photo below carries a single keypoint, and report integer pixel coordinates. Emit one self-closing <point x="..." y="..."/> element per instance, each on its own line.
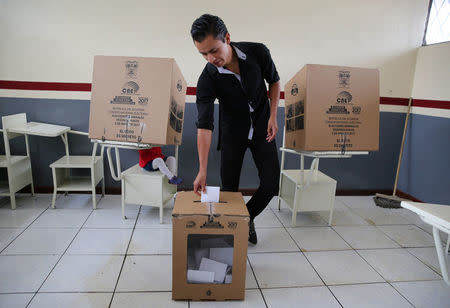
<point x="203" y="143"/>
<point x="200" y="183"/>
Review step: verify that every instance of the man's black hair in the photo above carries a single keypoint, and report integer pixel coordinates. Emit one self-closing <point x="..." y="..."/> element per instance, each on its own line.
<point x="206" y="25"/>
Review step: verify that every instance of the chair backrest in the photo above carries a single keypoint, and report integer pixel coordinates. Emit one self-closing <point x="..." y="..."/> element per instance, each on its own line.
<point x="15" y="120"/>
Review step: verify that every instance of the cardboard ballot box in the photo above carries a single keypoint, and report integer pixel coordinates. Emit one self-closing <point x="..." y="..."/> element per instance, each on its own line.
<point x="138" y="100"/>
<point x="332" y="108"/>
<point x="209" y="254"/>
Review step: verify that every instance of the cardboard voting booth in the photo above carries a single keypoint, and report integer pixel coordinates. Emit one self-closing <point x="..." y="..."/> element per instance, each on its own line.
<point x="137" y="100"/>
<point x="332" y="108"/>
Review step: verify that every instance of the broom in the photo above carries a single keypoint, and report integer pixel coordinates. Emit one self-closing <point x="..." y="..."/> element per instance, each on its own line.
<point x="393" y="201"/>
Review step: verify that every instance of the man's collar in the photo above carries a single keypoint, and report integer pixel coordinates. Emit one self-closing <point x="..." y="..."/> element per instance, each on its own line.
<point x="222" y="70"/>
<point x="239" y="53"/>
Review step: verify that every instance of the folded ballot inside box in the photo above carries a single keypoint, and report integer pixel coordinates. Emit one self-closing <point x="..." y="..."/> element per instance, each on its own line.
<point x="209" y="247"/>
<point x="196" y="276"/>
<point x="219" y="269"/>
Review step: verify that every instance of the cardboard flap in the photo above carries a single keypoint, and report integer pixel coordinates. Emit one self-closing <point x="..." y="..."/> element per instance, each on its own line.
<point x="188" y="203"/>
<point x="230" y="204"/>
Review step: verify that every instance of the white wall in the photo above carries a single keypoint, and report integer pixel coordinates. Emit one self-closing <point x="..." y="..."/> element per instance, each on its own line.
<point x="56" y="40"/>
<point x="432" y="74"/>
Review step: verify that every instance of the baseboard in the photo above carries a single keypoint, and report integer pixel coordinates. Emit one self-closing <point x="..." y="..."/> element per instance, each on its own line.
<point x="244" y="191"/>
<point x="404" y="195"/>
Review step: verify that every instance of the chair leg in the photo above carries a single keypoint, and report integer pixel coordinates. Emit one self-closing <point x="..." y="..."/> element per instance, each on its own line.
<point x="161" y="213"/>
<point x="440" y="253"/>
<point x="54" y="198"/>
<point x="123" y="198"/>
<point x="331" y="214"/>
<point x="294" y="217"/>
<point x="32" y="188"/>
<point x="13" y="200"/>
<point x="279" y="191"/>
<point x="330" y="218"/>
<point x="94" y="201"/>
<point x="448" y="244"/>
<point x="67" y="175"/>
<point x="103" y="179"/>
<point x="54" y="188"/>
<point x="295" y="207"/>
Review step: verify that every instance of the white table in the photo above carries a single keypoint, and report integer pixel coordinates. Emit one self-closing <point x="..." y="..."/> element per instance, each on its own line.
<point x="438" y="216"/>
<point x="44" y="130"/>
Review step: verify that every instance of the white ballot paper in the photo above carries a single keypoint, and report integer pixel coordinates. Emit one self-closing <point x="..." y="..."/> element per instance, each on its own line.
<point x="194" y="276"/>
<point x="211" y="195"/>
<point x="219" y="269"/>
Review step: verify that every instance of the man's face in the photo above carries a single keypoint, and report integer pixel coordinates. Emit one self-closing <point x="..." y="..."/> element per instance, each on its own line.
<point x="214" y="50"/>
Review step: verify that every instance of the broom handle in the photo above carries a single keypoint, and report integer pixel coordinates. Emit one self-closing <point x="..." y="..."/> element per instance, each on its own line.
<point x="403" y="144"/>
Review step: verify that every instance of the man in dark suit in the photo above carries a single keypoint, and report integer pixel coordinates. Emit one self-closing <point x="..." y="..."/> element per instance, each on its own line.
<point x="235" y="74"/>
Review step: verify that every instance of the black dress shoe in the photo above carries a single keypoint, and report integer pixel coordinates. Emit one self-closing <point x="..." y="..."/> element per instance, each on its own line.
<point x="252" y="238"/>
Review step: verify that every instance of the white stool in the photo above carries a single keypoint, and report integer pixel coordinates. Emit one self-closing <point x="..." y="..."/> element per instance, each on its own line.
<point x="307" y="190"/>
<point x="140" y="186"/>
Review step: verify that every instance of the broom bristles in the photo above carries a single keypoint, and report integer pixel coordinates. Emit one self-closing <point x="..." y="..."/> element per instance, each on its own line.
<point x="389" y="202"/>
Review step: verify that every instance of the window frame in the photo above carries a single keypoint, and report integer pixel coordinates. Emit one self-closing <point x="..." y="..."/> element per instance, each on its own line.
<point x="424" y="41"/>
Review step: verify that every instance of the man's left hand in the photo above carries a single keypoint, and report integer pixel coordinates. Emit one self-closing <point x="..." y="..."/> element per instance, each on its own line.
<point x="272" y="129"/>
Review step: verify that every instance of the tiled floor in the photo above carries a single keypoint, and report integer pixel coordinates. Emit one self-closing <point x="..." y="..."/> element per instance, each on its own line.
<point x="74" y="256"/>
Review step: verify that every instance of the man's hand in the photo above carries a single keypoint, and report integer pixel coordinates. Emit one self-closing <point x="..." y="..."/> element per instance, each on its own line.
<point x="272" y="129"/>
<point x="200" y="183"/>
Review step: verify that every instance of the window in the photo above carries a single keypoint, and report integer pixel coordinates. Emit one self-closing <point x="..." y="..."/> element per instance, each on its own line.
<point x="437" y="29"/>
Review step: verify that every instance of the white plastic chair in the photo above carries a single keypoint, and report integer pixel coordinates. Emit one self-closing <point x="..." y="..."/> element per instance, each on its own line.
<point x="18" y="167"/>
<point x="140" y="186"/>
<point x="305" y="190"/>
<point x="62" y="181"/>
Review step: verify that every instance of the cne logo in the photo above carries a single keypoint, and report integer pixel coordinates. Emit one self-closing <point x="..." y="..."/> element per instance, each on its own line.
<point x="179" y="85"/>
<point x="344" y="79"/>
<point x="344" y="98"/>
<point x="190" y="224"/>
<point x="131" y="68"/>
<point x="294" y="90"/>
<point x="130" y="88"/>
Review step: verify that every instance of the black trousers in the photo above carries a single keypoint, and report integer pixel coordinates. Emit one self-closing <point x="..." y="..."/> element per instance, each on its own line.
<point x="266" y="160"/>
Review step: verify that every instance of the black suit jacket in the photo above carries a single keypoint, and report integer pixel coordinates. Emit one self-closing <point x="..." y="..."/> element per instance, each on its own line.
<point x="255" y="67"/>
